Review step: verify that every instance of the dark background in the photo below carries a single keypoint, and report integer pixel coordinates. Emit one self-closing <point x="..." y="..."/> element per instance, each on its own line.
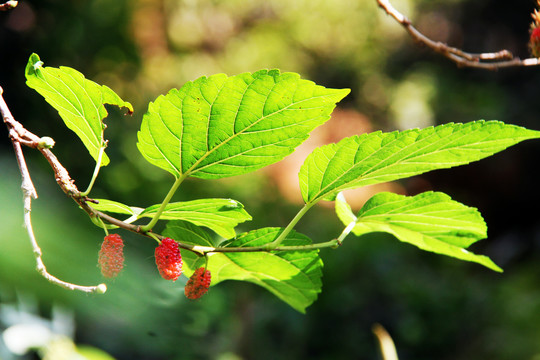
<point x="434" y="307"/>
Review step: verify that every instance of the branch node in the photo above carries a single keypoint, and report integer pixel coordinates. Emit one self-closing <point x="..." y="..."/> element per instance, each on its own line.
<point x="45" y="142"/>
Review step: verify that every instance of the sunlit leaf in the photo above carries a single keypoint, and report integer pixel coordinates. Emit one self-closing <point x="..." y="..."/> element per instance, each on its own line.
<point x="79" y="101"/>
<point x="294" y="277"/>
<point x="221" y="126"/>
<point x="220" y="215"/>
<point x="115" y="207"/>
<point x="379" y="157"/>
<point x="432" y="221"/>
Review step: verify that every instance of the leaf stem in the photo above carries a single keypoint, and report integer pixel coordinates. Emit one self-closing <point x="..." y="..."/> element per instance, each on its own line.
<point x="274" y="244"/>
<point x="164" y="204"/>
<point x="96" y="172"/>
<point x="153" y="236"/>
<point x="346" y="232"/>
<point x="96" y="220"/>
<point x="203" y="250"/>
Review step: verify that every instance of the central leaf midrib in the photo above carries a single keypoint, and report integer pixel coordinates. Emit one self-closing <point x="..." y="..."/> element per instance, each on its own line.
<point x="193" y="169"/>
<point x="397" y="228"/>
<point x="397" y="139"/>
<point x="322" y="193"/>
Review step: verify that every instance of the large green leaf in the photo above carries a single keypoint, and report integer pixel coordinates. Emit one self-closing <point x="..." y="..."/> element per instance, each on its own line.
<point x="294" y="277"/>
<point x="189" y="233"/>
<point x="115" y="207"/>
<point x="219" y="215"/>
<point x="431" y="221"/>
<point x="80" y="102"/>
<point x="221" y="126"/>
<point x="378" y="157"/>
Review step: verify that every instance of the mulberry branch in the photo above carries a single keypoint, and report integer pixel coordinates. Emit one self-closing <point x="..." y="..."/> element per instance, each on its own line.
<point x="488" y="61"/>
<point x="18" y="136"/>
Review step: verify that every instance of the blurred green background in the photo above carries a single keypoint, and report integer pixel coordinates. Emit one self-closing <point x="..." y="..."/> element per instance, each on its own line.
<point x="434" y="307"/>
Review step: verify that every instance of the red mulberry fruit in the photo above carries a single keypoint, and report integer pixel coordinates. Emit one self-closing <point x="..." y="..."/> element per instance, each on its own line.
<point x="111" y="256"/>
<point x="534" y="42"/>
<point x="198" y="284"/>
<point x="169" y="259"/>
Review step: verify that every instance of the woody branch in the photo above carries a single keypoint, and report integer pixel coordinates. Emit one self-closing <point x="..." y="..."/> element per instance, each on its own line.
<point x="490" y="61"/>
<point x="19" y="135"/>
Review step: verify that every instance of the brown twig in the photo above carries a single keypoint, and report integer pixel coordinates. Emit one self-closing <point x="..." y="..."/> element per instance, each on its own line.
<point x="19" y="135"/>
<point x="489" y="61"/>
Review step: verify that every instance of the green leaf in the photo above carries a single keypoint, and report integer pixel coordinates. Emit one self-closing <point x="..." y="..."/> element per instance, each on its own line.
<point x="221" y="126"/>
<point x="189" y="233"/>
<point x="220" y="215"/>
<point x="115" y="207"/>
<point x="431" y="221"/>
<point x="92" y="353"/>
<point x="379" y="157"/>
<point x="80" y="102"/>
<point x="294" y="277"/>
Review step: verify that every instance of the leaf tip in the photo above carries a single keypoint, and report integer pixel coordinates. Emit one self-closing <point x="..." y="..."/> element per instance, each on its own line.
<point x="340" y="94"/>
<point x="111" y="98"/>
<point x="496" y="268"/>
<point x="128" y="108"/>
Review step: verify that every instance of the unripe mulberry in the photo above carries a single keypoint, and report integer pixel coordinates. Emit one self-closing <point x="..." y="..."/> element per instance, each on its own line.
<point x="111" y="255"/>
<point x="169" y="259"/>
<point x="198" y="284"/>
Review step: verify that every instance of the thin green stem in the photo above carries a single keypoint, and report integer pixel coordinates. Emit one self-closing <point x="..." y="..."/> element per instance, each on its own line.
<point x="96" y="220"/>
<point x="96" y="172"/>
<point x="153" y="236"/>
<point x="203" y="250"/>
<point x="291" y="225"/>
<point x="164" y="204"/>
<point x="104" y="227"/>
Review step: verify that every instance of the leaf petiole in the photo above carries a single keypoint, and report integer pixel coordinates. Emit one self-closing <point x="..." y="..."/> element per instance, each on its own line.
<point x="164" y="204"/>
<point x="96" y="172"/>
<point x="346" y="232"/>
<point x="99" y="223"/>
<point x="287" y="230"/>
